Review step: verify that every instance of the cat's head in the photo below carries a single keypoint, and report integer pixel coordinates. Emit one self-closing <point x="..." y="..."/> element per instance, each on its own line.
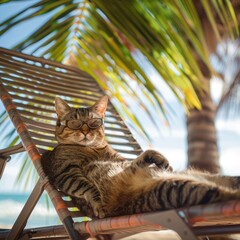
<point x="83" y="126"/>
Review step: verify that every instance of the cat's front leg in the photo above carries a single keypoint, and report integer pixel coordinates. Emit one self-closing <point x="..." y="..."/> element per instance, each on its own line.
<point x="152" y="157"/>
<point x="81" y="187"/>
<point x="98" y="208"/>
<point x="93" y="197"/>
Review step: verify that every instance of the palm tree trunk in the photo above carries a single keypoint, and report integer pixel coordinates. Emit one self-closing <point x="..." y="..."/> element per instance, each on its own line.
<point x="202" y="139"/>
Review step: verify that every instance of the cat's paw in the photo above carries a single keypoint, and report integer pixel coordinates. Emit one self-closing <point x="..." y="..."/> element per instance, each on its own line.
<point x="98" y="210"/>
<point x="152" y="156"/>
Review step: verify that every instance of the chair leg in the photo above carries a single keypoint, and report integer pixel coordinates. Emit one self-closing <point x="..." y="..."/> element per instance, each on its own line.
<point x="73" y="234"/>
<point x="25" y="213"/>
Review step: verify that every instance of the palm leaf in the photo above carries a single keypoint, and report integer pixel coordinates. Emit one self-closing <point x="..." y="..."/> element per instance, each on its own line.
<point x="105" y="38"/>
<point x="230" y="100"/>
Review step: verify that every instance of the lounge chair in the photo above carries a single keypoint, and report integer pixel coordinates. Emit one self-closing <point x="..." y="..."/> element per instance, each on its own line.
<point x="28" y="86"/>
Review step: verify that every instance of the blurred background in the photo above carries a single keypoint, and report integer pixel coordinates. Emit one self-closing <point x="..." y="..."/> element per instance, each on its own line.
<point x="170" y="67"/>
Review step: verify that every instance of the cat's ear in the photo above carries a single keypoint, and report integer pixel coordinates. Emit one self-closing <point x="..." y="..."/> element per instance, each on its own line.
<point x="100" y="106"/>
<point x="61" y="107"/>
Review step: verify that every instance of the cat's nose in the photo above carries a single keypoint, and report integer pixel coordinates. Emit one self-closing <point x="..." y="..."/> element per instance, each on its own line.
<point x="85" y="132"/>
<point x="85" y="129"/>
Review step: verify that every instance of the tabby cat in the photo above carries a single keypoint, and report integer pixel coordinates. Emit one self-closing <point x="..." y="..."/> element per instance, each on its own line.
<point x="103" y="183"/>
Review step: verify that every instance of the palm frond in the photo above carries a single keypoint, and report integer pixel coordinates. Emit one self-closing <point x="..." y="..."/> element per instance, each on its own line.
<point x="105" y="38"/>
<point x="230" y="99"/>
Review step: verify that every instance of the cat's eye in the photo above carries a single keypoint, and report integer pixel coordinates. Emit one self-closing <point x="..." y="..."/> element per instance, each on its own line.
<point x="74" y="124"/>
<point x="94" y="122"/>
<point x="91" y="123"/>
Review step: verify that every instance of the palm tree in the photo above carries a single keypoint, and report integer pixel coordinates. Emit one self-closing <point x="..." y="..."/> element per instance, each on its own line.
<point x="106" y="38"/>
<point x="202" y="140"/>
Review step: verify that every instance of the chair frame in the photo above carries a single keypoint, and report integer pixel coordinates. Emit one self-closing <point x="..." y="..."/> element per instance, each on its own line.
<point x="183" y="221"/>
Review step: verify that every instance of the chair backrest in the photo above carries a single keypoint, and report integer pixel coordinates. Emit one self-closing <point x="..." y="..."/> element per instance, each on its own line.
<point x="34" y="83"/>
<point x="28" y="87"/>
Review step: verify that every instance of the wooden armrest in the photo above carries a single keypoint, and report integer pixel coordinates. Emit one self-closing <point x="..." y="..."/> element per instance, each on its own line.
<point x="6" y="152"/>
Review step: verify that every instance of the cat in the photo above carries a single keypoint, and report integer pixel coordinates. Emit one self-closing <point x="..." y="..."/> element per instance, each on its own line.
<point x="103" y="184"/>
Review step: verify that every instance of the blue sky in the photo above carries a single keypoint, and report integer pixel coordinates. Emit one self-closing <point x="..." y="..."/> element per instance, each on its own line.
<point x="169" y="141"/>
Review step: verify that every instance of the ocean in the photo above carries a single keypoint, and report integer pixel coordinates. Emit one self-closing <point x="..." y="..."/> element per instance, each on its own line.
<point x="12" y="203"/>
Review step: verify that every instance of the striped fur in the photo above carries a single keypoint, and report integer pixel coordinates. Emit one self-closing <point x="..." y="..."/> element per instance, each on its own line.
<point x="103" y="183"/>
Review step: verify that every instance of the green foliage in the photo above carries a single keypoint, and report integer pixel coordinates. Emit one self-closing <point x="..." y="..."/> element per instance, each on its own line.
<point x="106" y="38"/>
